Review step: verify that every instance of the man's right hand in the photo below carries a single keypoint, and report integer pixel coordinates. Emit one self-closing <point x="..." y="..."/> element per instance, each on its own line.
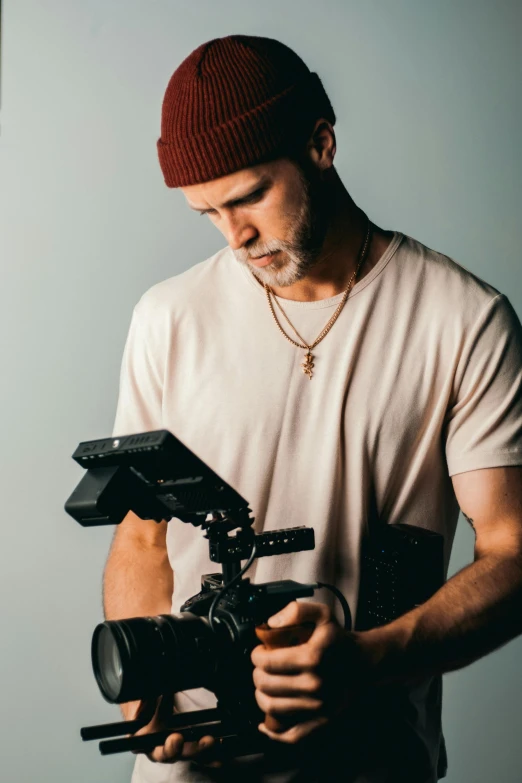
<point x="174" y="749"/>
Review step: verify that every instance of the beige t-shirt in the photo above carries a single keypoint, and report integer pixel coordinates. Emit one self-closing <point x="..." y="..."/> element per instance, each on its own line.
<point x="420" y="378"/>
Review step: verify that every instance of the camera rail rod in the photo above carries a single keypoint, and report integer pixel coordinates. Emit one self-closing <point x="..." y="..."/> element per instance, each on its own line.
<point x="192" y="726"/>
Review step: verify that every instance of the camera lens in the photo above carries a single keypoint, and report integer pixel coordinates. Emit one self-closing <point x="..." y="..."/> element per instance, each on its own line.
<point x="144" y="657"/>
<point x="109" y="662"/>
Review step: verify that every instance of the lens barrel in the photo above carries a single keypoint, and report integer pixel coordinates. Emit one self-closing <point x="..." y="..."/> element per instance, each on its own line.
<point x="144" y="657"/>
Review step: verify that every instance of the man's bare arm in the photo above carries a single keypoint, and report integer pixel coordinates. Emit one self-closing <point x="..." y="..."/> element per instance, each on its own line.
<point x="477" y="610"/>
<point x="138" y="579"/>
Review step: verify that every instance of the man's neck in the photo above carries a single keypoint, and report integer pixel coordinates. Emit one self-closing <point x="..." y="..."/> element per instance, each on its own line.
<point x="340" y="253"/>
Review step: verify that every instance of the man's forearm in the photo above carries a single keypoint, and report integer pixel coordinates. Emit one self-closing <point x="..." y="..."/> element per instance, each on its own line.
<point x="138" y="581"/>
<point x="475" y="612"/>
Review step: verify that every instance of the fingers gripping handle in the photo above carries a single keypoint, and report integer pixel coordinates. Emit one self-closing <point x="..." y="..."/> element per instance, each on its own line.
<point x="289" y="636"/>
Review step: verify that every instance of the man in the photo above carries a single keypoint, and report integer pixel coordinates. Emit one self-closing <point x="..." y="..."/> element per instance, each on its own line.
<point x="334" y="373"/>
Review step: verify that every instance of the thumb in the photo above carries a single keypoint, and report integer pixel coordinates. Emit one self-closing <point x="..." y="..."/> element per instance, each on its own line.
<point x="287" y="616"/>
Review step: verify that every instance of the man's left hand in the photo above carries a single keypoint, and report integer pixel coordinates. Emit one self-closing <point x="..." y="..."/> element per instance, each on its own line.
<point x="311" y="683"/>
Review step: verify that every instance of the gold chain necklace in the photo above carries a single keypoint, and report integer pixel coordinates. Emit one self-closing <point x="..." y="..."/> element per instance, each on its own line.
<point x="308" y="363"/>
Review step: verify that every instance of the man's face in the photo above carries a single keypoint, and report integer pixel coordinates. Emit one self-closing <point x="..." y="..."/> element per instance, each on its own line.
<point x="275" y="210"/>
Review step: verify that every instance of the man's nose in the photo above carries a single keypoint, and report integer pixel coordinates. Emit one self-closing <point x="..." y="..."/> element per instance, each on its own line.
<point x="239" y="233"/>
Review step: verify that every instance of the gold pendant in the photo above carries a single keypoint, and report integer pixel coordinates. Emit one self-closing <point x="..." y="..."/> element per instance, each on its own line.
<point x="308" y="365"/>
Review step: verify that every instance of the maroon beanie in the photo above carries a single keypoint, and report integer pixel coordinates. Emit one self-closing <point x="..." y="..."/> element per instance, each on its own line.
<point x="233" y="103"/>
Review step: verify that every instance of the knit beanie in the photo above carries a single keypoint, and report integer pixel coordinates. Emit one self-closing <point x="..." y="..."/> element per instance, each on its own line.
<point x="236" y="102"/>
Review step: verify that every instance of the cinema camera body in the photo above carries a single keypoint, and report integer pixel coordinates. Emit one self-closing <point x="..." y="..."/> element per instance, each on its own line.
<point x="208" y="644"/>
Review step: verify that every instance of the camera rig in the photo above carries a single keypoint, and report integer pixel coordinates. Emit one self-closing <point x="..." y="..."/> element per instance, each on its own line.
<point x="157" y="477"/>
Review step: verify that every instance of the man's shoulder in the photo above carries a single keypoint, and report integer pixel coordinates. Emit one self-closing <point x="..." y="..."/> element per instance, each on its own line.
<point x="186" y="289"/>
<point x="441" y="283"/>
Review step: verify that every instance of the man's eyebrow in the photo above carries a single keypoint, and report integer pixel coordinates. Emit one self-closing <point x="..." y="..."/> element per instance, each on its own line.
<point x="233" y="202"/>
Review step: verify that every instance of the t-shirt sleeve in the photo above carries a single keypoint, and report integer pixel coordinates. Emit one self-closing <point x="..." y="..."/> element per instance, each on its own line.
<point x="139" y="407"/>
<point x="484" y="420"/>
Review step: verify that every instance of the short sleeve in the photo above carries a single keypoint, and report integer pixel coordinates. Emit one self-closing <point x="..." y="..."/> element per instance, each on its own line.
<point x="484" y="420"/>
<point x="139" y="407"/>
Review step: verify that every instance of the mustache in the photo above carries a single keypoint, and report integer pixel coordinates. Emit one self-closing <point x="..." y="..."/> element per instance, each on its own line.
<point x="245" y="255"/>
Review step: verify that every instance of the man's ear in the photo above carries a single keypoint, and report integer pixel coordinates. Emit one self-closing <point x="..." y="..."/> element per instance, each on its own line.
<point x="321" y="146"/>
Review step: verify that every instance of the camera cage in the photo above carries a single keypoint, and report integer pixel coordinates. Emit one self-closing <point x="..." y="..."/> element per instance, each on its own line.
<point x="157" y="477"/>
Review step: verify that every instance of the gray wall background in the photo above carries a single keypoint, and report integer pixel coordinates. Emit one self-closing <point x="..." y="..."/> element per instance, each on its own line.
<point x="429" y="126"/>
